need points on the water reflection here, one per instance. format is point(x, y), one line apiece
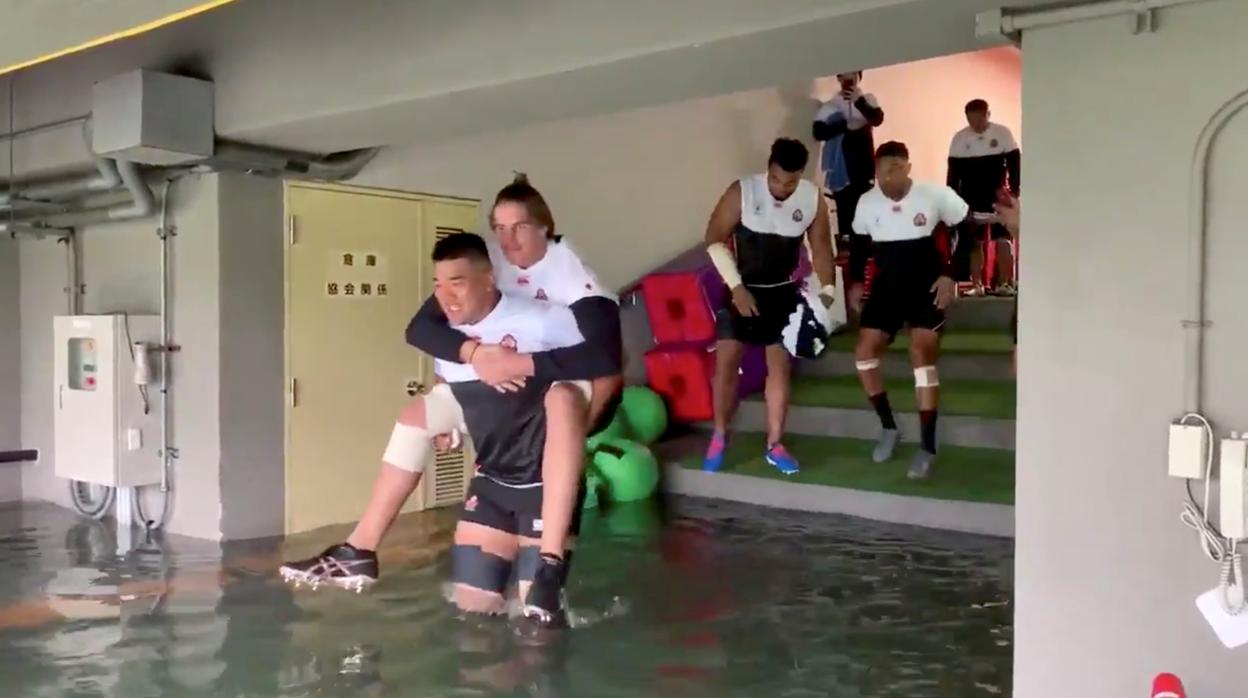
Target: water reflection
point(710, 600)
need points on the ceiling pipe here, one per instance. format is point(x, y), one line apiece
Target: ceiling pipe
point(229, 157)
point(106, 178)
point(274, 162)
point(43, 128)
point(1010, 23)
point(142, 204)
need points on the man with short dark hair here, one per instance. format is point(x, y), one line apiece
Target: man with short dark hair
point(500, 526)
point(983, 160)
point(911, 287)
point(754, 239)
point(845, 125)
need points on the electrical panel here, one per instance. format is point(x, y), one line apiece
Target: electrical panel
point(106, 402)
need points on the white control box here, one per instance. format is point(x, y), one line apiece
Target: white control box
point(106, 425)
point(1189, 448)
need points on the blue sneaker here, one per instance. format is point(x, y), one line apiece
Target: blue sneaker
point(782, 460)
point(715, 453)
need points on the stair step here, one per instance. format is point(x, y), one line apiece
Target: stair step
point(953, 430)
point(963, 474)
point(896, 364)
point(969, 397)
point(974, 342)
point(981, 313)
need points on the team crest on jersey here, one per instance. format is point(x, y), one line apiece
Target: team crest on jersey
point(797, 216)
point(471, 504)
point(541, 295)
point(508, 342)
point(994, 143)
point(522, 281)
point(920, 220)
point(896, 208)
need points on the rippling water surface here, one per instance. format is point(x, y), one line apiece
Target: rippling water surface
point(713, 599)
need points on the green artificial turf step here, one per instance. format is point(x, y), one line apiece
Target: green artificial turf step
point(967, 397)
point(953, 342)
point(961, 474)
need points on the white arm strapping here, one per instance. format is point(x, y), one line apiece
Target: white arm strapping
point(724, 263)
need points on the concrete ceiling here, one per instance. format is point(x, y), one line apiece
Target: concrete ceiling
point(327, 75)
point(33, 30)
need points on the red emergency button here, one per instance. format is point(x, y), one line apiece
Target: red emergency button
point(91, 382)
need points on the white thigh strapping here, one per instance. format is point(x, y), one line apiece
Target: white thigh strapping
point(409, 445)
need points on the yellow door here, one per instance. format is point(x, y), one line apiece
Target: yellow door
point(357, 269)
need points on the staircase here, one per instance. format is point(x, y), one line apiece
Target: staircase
point(832, 430)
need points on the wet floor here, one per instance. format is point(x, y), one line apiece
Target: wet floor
point(712, 599)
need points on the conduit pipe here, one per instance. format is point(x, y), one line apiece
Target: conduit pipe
point(1198, 202)
point(141, 205)
point(1005, 22)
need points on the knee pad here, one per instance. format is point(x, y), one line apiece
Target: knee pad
point(473, 567)
point(926, 377)
point(408, 448)
point(867, 364)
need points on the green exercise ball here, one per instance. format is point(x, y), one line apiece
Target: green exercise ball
point(644, 412)
point(629, 469)
point(617, 428)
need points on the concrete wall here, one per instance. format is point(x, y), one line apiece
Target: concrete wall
point(253, 357)
point(120, 269)
point(227, 290)
point(10, 369)
point(1106, 581)
point(633, 189)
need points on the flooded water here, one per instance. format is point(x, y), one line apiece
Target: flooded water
point(714, 599)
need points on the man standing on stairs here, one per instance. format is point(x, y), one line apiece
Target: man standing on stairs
point(983, 160)
point(764, 218)
point(912, 287)
point(845, 125)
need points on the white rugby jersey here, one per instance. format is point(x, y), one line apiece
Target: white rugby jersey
point(526, 325)
point(912, 218)
point(769, 237)
point(558, 277)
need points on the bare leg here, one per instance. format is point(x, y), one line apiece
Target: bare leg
point(390, 490)
point(871, 347)
point(728, 353)
point(925, 351)
point(563, 461)
point(977, 266)
point(1005, 263)
point(776, 392)
point(872, 344)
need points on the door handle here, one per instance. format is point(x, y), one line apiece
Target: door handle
point(60, 397)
